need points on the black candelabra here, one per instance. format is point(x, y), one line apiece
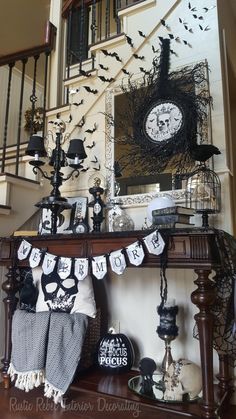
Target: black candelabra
point(59, 159)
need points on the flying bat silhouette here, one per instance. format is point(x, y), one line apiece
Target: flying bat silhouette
point(163, 22)
point(81, 122)
point(111, 54)
point(125, 71)
point(70, 119)
point(84, 169)
point(95, 160)
point(193, 9)
point(144, 71)
point(94, 91)
point(142, 34)
point(91, 146)
point(90, 131)
point(129, 40)
point(204, 29)
point(198, 17)
point(154, 50)
point(84, 73)
point(106, 79)
point(78, 103)
point(97, 168)
point(103, 67)
point(139, 57)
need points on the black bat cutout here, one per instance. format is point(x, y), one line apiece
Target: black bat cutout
point(125, 71)
point(70, 119)
point(204, 29)
point(91, 146)
point(193, 9)
point(139, 57)
point(144, 71)
point(78, 103)
point(84, 73)
point(94, 91)
point(104, 79)
point(84, 169)
point(103, 67)
point(155, 51)
point(82, 122)
point(90, 131)
point(129, 40)
point(111, 54)
point(97, 168)
point(95, 160)
point(142, 34)
point(163, 22)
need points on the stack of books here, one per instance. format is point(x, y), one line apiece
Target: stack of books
point(172, 217)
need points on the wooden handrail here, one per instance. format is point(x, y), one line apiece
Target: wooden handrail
point(30, 52)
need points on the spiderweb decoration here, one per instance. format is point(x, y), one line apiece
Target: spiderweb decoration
point(185, 87)
point(224, 332)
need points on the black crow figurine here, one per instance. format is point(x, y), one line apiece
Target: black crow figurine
point(28, 293)
point(203, 152)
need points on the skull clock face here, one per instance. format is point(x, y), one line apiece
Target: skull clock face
point(162, 121)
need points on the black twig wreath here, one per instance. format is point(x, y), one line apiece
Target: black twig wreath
point(185, 89)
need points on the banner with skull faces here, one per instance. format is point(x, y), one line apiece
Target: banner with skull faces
point(79, 267)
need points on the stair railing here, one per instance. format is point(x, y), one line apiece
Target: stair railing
point(30, 69)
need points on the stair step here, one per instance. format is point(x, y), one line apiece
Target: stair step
point(5, 209)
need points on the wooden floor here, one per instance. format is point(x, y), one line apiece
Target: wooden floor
point(95, 396)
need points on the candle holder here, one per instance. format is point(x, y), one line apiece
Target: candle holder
point(167, 330)
point(97, 204)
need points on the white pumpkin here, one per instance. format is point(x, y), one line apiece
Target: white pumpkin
point(183, 377)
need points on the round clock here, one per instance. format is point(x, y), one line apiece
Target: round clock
point(163, 121)
point(80, 228)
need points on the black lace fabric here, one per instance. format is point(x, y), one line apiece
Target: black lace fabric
point(224, 310)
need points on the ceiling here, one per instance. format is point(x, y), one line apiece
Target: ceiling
point(22, 24)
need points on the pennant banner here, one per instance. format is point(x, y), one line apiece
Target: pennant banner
point(154, 243)
point(117, 262)
point(99, 266)
point(24, 250)
point(35, 257)
point(135, 253)
point(64, 267)
point(49, 263)
point(80, 266)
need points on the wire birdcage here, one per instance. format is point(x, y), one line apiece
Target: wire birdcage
point(203, 192)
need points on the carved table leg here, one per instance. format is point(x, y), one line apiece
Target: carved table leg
point(10, 287)
point(203, 297)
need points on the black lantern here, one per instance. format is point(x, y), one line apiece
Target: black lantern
point(55, 202)
point(203, 192)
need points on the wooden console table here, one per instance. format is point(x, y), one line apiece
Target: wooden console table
point(188, 248)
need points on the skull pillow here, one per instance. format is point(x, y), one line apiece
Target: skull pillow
point(64, 295)
point(182, 379)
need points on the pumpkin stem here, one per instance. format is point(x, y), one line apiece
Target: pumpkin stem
point(111, 330)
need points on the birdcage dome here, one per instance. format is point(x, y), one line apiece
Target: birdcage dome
point(203, 192)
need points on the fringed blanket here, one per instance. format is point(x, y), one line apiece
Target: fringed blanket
point(46, 349)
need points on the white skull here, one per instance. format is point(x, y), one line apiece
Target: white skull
point(164, 122)
point(59, 125)
point(183, 377)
